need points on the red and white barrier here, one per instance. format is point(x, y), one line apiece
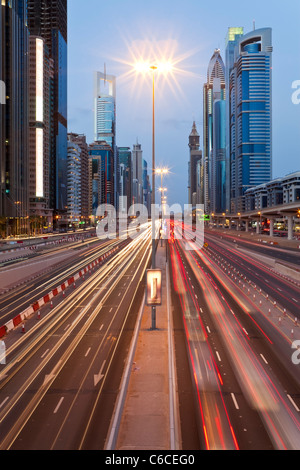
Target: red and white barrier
point(12, 324)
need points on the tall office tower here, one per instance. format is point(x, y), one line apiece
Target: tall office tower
point(218, 162)
point(232, 38)
point(80, 140)
point(125, 181)
point(196, 175)
point(102, 160)
point(14, 197)
point(251, 114)
point(48, 20)
point(105, 118)
point(40, 93)
point(137, 174)
point(214, 89)
point(74, 184)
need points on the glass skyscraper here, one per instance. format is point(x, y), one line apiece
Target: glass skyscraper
point(250, 114)
point(14, 158)
point(48, 20)
point(233, 36)
point(214, 89)
point(105, 118)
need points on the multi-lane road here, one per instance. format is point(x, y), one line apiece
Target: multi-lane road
point(61, 379)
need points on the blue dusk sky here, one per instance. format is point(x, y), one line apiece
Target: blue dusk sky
point(118, 33)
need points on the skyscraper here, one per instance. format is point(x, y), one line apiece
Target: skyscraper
point(105, 118)
point(40, 96)
point(196, 168)
point(137, 174)
point(125, 181)
point(80, 140)
point(48, 20)
point(219, 179)
point(214, 89)
point(102, 162)
point(14, 177)
point(251, 114)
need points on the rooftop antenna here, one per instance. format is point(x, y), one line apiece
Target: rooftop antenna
point(253, 25)
point(104, 74)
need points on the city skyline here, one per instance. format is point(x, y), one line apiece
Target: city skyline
point(185, 91)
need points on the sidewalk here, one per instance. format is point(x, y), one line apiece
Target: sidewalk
point(147, 417)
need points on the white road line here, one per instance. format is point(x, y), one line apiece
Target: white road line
point(58, 405)
point(101, 327)
point(4, 401)
point(234, 401)
point(295, 300)
point(218, 356)
point(42, 357)
point(208, 329)
point(293, 403)
point(87, 353)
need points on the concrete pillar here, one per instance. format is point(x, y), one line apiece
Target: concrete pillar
point(237, 225)
point(290, 219)
point(257, 227)
point(271, 227)
point(247, 226)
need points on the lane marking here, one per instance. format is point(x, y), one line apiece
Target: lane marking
point(235, 401)
point(293, 403)
point(264, 359)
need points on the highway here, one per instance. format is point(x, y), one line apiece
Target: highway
point(62, 377)
point(234, 322)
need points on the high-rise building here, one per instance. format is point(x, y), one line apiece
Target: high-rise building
point(102, 187)
point(146, 187)
point(196, 169)
point(125, 180)
point(232, 38)
point(40, 95)
point(251, 114)
point(48, 20)
point(14, 165)
point(105, 118)
point(219, 178)
point(74, 184)
point(214, 89)
point(137, 174)
point(80, 140)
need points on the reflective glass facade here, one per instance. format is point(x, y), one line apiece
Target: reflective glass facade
point(251, 115)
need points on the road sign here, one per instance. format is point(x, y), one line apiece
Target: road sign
point(154, 287)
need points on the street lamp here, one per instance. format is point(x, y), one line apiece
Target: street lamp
point(162, 68)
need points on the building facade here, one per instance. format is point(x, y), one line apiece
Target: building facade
point(196, 169)
point(232, 38)
point(250, 116)
point(102, 177)
point(41, 74)
point(105, 119)
point(74, 194)
point(125, 180)
point(48, 20)
point(137, 174)
point(14, 156)
point(214, 89)
point(80, 140)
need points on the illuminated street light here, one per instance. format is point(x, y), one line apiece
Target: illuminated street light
point(160, 68)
